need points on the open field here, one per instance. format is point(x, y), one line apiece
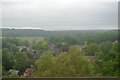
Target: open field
point(31, 38)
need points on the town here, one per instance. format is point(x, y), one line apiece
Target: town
point(65, 55)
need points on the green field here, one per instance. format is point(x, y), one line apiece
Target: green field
point(31, 38)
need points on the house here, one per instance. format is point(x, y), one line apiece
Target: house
point(36, 56)
point(91, 58)
point(13, 72)
point(23, 48)
point(115, 41)
point(28, 72)
point(51, 46)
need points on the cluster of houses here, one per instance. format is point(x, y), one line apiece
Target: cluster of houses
point(28, 72)
point(31, 52)
point(54, 50)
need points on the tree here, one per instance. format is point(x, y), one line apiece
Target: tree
point(44, 65)
point(72, 63)
point(91, 49)
point(40, 46)
point(106, 46)
point(108, 64)
point(21, 62)
point(7, 59)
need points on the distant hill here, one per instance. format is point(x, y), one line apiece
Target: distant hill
point(42, 33)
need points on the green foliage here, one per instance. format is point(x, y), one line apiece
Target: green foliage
point(4, 72)
point(91, 49)
point(0, 70)
point(44, 64)
point(20, 62)
point(108, 64)
point(7, 58)
point(79, 37)
point(40, 45)
point(13, 75)
point(72, 63)
point(12, 58)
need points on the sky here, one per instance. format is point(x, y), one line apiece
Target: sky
point(60, 14)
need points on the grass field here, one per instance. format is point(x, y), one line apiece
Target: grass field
point(31, 38)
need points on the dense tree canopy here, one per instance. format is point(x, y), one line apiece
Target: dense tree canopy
point(73, 63)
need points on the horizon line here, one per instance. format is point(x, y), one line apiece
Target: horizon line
point(59, 30)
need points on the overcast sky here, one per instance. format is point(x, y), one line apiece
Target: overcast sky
point(60, 14)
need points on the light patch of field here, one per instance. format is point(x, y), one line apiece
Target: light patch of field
point(30, 39)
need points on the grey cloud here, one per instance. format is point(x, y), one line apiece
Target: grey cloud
point(57, 15)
